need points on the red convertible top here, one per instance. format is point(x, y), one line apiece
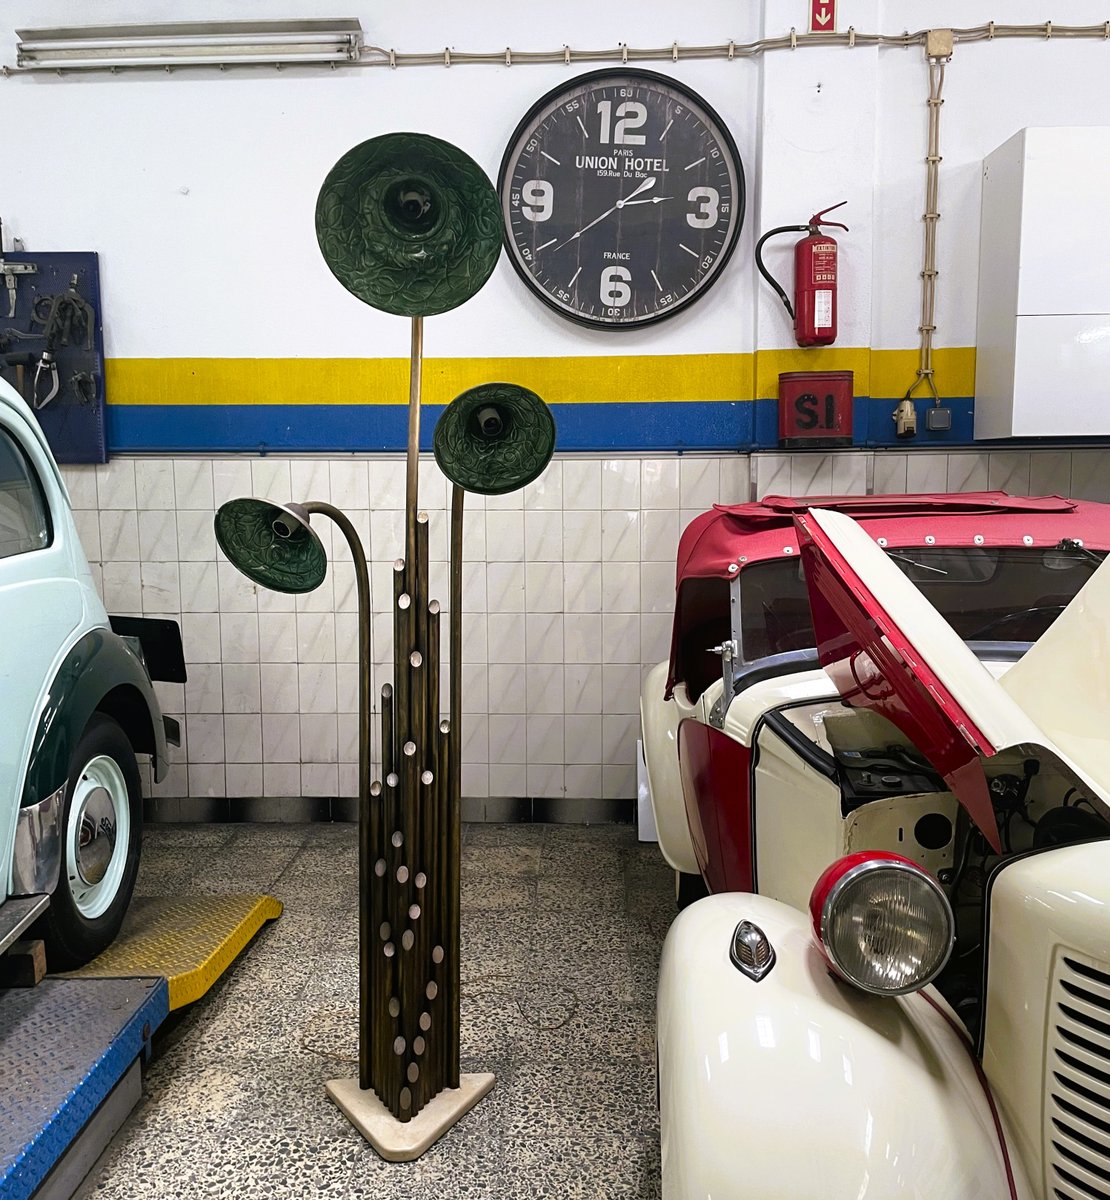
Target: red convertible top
point(724, 541)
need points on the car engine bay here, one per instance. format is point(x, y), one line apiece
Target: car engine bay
point(891, 798)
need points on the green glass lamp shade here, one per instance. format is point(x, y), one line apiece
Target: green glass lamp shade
point(409, 224)
point(272, 544)
point(494, 438)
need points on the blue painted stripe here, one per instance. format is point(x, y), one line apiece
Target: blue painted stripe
point(684, 425)
point(873, 424)
point(263, 428)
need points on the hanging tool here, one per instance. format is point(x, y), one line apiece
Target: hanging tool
point(62, 317)
point(48, 366)
point(20, 361)
point(84, 386)
point(11, 273)
point(814, 309)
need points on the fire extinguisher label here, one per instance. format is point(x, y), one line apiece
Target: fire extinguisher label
point(822, 309)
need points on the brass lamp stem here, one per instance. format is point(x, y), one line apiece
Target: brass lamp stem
point(412, 459)
point(454, 805)
point(366, 817)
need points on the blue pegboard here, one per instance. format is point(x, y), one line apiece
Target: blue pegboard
point(73, 420)
point(63, 1046)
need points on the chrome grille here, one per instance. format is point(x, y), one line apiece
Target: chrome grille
point(1077, 1107)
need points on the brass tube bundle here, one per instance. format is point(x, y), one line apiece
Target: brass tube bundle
point(401, 925)
point(411, 1029)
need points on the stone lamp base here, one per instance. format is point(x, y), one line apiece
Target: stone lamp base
point(403, 1141)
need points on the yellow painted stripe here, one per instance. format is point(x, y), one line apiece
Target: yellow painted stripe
point(883, 373)
point(894, 371)
point(601, 379)
point(596, 379)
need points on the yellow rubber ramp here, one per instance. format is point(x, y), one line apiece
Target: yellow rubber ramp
point(190, 940)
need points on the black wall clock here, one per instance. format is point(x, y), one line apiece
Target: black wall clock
point(623, 198)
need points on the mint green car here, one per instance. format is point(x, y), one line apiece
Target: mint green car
point(78, 706)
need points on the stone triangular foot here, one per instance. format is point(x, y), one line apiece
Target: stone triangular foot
point(403, 1141)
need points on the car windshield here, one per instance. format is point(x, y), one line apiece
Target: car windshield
point(985, 593)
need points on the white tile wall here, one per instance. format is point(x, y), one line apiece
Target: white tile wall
point(568, 593)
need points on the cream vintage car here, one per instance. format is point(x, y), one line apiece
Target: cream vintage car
point(900, 982)
point(78, 705)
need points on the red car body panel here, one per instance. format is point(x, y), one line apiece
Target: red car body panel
point(874, 665)
point(715, 774)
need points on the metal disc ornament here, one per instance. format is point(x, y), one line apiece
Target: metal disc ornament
point(494, 438)
point(409, 224)
point(272, 544)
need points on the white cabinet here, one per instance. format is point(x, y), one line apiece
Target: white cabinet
point(1043, 327)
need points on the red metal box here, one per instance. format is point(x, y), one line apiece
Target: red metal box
point(815, 409)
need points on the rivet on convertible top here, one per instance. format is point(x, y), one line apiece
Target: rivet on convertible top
point(881, 541)
point(1027, 540)
point(978, 539)
point(788, 549)
point(930, 540)
point(751, 951)
point(733, 568)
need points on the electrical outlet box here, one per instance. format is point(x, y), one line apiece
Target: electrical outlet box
point(938, 420)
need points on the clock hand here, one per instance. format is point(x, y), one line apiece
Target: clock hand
point(580, 232)
point(645, 186)
point(648, 183)
point(647, 200)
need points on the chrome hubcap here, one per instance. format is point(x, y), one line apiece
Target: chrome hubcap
point(96, 839)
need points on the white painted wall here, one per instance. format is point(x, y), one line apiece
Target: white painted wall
point(198, 188)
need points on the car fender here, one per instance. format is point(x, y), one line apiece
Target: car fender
point(97, 673)
point(801, 1086)
point(659, 721)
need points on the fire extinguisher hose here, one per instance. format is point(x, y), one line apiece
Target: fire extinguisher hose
point(767, 274)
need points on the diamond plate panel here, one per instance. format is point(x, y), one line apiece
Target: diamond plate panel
point(190, 940)
point(63, 1046)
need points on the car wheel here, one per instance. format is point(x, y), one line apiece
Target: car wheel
point(101, 832)
point(688, 888)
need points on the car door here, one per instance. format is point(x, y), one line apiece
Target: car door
point(41, 604)
point(887, 648)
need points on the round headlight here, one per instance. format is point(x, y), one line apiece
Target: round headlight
point(883, 923)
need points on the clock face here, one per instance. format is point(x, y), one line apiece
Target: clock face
point(623, 198)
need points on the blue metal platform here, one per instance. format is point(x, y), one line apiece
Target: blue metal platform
point(64, 1045)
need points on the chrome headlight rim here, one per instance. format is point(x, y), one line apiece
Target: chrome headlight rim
point(872, 862)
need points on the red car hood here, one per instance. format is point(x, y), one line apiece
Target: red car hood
point(887, 648)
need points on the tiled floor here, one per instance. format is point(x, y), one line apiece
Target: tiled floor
point(562, 927)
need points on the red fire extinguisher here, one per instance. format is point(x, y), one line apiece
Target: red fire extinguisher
point(814, 307)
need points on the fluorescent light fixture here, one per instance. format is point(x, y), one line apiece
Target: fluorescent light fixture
point(184, 44)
